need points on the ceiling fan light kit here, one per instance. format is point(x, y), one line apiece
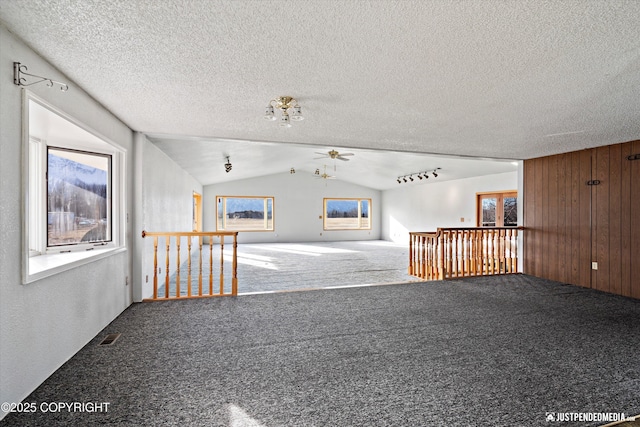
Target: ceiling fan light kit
point(284, 104)
point(323, 175)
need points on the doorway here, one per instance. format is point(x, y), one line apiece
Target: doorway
point(197, 211)
point(497, 209)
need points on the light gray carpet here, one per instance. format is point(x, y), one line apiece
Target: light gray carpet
point(501, 351)
point(264, 267)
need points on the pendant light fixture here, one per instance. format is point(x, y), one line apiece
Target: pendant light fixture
point(284, 104)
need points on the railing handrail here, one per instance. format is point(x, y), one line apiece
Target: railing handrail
point(519, 227)
point(440, 229)
point(424, 233)
point(189, 233)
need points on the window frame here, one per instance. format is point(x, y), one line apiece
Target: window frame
point(499, 196)
point(39, 259)
point(266, 218)
point(359, 200)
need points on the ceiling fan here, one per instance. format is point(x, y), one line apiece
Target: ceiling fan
point(323, 175)
point(333, 154)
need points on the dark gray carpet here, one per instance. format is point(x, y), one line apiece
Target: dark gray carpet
point(500, 351)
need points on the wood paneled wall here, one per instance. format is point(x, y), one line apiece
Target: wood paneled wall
point(570, 224)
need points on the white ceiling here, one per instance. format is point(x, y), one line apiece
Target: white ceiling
point(479, 78)
point(204, 159)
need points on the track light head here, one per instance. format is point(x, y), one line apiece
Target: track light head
point(228, 165)
point(411, 178)
point(404, 179)
point(435, 175)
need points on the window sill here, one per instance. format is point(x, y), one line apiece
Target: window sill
point(43, 266)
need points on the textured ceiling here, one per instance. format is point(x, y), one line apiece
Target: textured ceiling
point(493, 79)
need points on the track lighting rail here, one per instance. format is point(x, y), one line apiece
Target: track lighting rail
point(419, 175)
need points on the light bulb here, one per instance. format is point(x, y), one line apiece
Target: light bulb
point(284, 120)
point(268, 114)
point(297, 113)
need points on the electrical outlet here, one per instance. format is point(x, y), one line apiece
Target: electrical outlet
point(147, 278)
point(594, 265)
point(461, 219)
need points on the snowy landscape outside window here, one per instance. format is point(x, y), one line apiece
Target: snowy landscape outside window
point(235, 213)
point(347, 214)
point(78, 197)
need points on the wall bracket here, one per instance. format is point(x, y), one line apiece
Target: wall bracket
point(20, 70)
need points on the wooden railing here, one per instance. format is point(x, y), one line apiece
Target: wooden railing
point(210, 280)
point(463, 252)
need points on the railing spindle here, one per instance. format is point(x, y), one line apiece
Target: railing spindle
point(410, 270)
point(189, 267)
point(155, 267)
point(211, 265)
point(221, 266)
point(166, 279)
point(200, 266)
point(234, 267)
point(178, 266)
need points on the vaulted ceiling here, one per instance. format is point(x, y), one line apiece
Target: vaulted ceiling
point(476, 78)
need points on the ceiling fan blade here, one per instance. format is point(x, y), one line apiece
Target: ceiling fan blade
point(347, 154)
point(342, 158)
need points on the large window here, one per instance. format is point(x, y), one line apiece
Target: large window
point(78, 197)
point(74, 195)
point(235, 213)
point(347, 214)
point(497, 209)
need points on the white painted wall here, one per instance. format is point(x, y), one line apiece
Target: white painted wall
point(298, 207)
point(44, 323)
point(164, 194)
point(425, 207)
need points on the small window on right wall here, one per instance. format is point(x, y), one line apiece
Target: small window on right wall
point(497, 209)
